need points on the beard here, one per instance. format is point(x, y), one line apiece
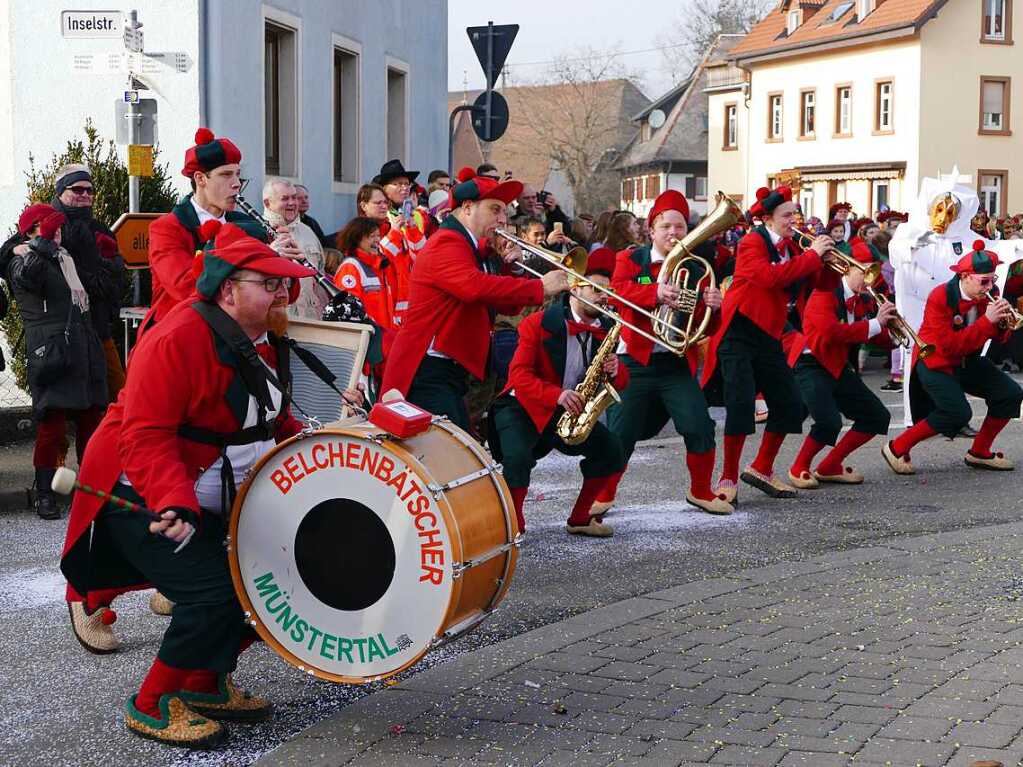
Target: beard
point(277, 319)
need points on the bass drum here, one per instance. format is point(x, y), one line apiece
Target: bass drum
point(354, 553)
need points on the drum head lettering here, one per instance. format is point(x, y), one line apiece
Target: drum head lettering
point(344, 554)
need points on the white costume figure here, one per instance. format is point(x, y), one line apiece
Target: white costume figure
point(935, 237)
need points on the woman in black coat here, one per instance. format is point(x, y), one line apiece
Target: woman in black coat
point(66, 366)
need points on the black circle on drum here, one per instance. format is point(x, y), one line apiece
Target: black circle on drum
point(344, 554)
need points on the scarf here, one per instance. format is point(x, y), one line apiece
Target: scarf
point(67, 267)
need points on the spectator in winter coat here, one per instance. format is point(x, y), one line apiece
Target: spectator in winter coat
point(66, 368)
point(280, 204)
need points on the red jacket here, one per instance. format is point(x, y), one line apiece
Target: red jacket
point(829, 336)
point(635, 279)
point(450, 300)
point(946, 328)
point(180, 375)
point(760, 287)
point(537, 369)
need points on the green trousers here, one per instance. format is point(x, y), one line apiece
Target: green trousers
point(520, 445)
point(977, 376)
point(207, 625)
point(828, 399)
point(662, 390)
point(439, 386)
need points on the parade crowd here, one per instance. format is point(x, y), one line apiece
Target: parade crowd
point(473, 325)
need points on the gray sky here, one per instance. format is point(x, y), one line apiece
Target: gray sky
point(548, 28)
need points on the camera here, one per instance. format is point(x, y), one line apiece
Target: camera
point(541, 197)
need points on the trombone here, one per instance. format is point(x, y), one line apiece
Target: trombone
point(574, 264)
point(900, 331)
point(871, 272)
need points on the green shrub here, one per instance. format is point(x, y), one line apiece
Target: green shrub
point(110, 180)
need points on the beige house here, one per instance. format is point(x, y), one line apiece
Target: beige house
point(857, 100)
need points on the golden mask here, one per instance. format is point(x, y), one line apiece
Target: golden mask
point(944, 210)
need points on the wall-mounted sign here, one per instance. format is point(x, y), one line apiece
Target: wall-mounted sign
point(91, 23)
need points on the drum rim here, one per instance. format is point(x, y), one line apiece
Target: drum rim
point(251, 617)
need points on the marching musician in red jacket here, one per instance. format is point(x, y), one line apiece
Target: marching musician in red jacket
point(835, 323)
point(772, 275)
point(198, 410)
point(213, 166)
point(555, 350)
point(959, 319)
point(453, 297)
point(663, 385)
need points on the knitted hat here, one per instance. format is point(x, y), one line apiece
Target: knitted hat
point(32, 215)
point(833, 210)
point(834, 224)
point(232, 250)
point(977, 261)
point(49, 225)
point(670, 199)
point(71, 174)
point(483, 188)
point(209, 153)
point(438, 201)
point(769, 199)
point(601, 261)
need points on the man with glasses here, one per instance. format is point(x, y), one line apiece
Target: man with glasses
point(92, 247)
point(959, 318)
point(213, 167)
point(201, 379)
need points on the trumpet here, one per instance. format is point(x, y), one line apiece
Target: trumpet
point(574, 264)
point(899, 330)
point(871, 272)
point(1015, 320)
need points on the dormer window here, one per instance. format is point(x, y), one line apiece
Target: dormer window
point(864, 7)
point(795, 18)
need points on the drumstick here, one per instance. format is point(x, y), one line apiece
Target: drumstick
point(65, 481)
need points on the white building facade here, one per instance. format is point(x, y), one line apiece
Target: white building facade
point(322, 91)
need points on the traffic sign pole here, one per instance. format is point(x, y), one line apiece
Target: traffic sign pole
point(134, 116)
point(490, 85)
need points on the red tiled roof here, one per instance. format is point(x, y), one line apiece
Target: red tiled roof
point(769, 35)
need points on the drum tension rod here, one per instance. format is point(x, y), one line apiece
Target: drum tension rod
point(488, 470)
point(460, 567)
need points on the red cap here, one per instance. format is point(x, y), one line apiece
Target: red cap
point(464, 174)
point(977, 261)
point(837, 207)
point(670, 199)
point(601, 261)
point(233, 249)
point(32, 215)
point(209, 153)
point(483, 188)
point(769, 199)
point(49, 225)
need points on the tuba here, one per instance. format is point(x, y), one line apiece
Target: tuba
point(683, 327)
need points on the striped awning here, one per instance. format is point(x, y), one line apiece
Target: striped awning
point(868, 171)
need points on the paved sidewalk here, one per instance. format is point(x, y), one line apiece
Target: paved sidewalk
point(902, 654)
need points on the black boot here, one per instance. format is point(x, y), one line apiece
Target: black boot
point(46, 501)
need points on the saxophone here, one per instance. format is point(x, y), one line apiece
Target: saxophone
point(596, 390)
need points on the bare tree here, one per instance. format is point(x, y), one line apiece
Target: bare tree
point(699, 25)
point(578, 122)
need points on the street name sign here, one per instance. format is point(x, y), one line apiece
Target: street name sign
point(92, 24)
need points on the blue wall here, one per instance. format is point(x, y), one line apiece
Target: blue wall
point(412, 31)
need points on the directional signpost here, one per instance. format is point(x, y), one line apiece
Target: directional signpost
point(490, 111)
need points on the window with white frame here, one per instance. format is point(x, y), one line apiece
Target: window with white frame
point(701, 188)
point(731, 126)
point(806, 201)
point(808, 110)
point(863, 8)
point(994, 20)
point(883, 105)
point(795, 18)
point(774, 116)
point(843, 110)
point(881, 195)
point(280, 84)
point(397, 112)
point(991, 189)
point(347, 100)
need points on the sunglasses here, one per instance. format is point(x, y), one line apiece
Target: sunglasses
point(81, 190)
